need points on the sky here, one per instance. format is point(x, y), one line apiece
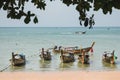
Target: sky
point(58, 14)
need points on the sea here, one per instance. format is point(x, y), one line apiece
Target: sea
point(30, 41)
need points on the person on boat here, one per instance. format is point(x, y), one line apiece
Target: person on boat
point(104, 56)
point(55, 47)
point(72, 56)
point(48, 53)
point(42, 53)
point(60, 47)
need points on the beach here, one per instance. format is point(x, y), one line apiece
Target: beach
point(65, 75)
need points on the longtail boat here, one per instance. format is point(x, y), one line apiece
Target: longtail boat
point(45, 55)
point(80, 32)
point(67, 58)
point(75, 50)
point(109, 57)
point(18, 59)
point(84, 58)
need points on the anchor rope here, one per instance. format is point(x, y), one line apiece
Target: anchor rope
point(5, 68)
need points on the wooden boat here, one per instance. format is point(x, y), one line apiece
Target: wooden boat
point(80, 32)
point(18, 59)
point(75, 50)
point(109, 57)
point(84, 58)
point(57, 49)
point(67, 59)
point(45, 55)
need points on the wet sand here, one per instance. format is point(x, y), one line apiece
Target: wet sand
point(65, 75)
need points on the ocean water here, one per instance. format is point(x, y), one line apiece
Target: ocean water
point(30, 40)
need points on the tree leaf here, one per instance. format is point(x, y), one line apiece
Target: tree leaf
point(27, 20)
point(86, 22)
point(35, 20)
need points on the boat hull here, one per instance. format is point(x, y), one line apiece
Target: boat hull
point(18, 62)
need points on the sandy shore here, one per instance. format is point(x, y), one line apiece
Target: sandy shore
point(65, 75)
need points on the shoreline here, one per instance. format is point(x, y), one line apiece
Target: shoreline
point(61, 75)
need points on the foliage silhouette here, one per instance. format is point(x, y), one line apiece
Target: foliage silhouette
point(15, 8)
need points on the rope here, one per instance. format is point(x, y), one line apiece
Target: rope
point(32, 55)
point(5, 68)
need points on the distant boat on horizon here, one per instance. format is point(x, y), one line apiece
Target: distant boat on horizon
point(80, 32)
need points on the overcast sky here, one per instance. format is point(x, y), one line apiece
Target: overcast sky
point(58, 14)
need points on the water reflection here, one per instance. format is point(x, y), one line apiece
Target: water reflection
point(17, 68)
point(83, 66)
point(66, 65)
point(109, 66)
point(45, 64)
